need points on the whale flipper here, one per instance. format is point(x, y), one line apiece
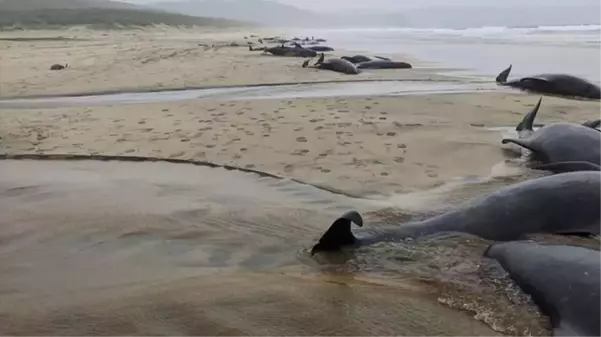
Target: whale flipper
point(521, 142)
point(567, 166)
point(592, 124)
point(528, 122)
point(502, 77)
point(339, 234)
point(320, 59)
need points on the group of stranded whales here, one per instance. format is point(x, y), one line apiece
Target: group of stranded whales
point(346, 65)
point(563, 280)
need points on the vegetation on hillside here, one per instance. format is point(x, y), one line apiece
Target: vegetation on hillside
point(101, 18)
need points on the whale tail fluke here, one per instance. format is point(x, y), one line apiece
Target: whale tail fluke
point(339, 234)
point(502, 77)
point(567, 166)
point(528, 122)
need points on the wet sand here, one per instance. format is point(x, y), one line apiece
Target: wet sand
point(185, 250)
point(360, 145)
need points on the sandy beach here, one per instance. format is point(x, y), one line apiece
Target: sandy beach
point(362, 145)
point(357, 144)
point(151, 59)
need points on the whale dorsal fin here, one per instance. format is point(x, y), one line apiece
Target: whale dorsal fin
point(339, 234)
point(502, 77)
point(528, 122)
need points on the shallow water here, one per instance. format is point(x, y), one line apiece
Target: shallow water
point(331, 89)
point(482, 51)
point(117, 248)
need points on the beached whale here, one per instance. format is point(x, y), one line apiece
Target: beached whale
point(525, 130)
point(335, 64)
point(383, 64)
point(567, 203)
point(321, 48)
point(58, 66)
point(563, 281)
point(553, 84)
point(314, 48)
point(362, 58)
point(287, 51)
point(560, 147)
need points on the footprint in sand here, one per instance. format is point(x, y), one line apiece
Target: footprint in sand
point(384, 174)
point(301, 139)
point(300, 152)
point(315, 120)
point(401, 146)
point(382, 118)
point(318, 128)
point(298, 129)
point(399, 160)
point(431, 174)
point(142, 122)
point(325, 170)
point(210, 146)
point(165, 110)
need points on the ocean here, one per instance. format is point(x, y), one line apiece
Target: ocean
point(482, 51)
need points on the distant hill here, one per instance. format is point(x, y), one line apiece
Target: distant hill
point(272, 13)
point(25, 5)
point(259, 11)
point(47, 14)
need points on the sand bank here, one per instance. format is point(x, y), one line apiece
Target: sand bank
point(151, 59)
point(359, 145)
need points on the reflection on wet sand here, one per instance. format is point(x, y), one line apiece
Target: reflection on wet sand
point(113, 248)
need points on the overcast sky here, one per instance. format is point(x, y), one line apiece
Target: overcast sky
point(401, 4)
